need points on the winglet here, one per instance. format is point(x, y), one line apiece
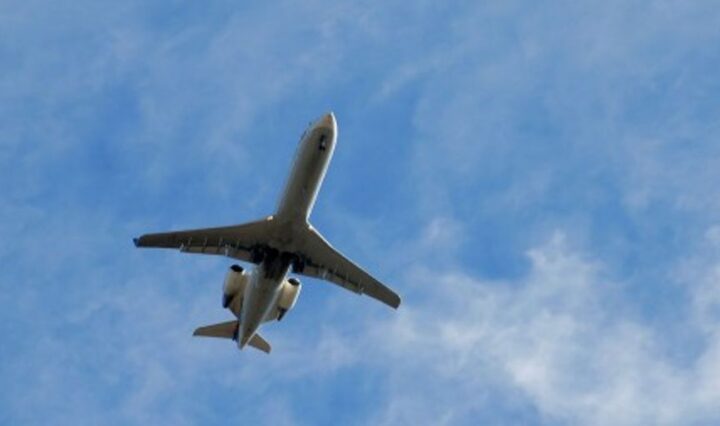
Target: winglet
point(136, 241)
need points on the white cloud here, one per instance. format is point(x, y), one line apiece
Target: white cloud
point(561, 339)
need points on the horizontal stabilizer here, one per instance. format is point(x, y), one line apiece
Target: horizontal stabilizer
point(228, 330)
point(258, 342)
point(223, 330)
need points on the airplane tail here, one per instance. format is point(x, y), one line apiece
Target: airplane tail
point(229, 330)
point(258, 342)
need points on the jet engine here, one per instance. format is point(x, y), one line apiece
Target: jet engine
point(289, 293)
point(234, 285)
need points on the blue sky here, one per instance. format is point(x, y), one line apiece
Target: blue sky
point(540, 182)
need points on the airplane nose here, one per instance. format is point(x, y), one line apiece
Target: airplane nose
point(327, 120)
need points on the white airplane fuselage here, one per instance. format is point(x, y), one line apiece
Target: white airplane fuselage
point(260, 297)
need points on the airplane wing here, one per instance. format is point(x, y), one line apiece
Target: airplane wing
point(321, 260)
point(233, 241)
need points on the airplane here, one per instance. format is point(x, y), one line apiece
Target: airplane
point(276, 245)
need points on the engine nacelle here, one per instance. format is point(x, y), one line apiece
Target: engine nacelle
point(235, 282)
point(289, 293)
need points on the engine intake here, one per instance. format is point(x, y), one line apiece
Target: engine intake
point(234, 284)
point(288, 296)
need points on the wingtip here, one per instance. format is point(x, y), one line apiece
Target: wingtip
point(136, 241)
point(394, 302)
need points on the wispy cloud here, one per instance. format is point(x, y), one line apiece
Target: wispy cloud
point(561, 341)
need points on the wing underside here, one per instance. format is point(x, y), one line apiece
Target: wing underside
point(237, 241)
point(321, 260)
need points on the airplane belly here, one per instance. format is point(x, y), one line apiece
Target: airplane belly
point(259, 300)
